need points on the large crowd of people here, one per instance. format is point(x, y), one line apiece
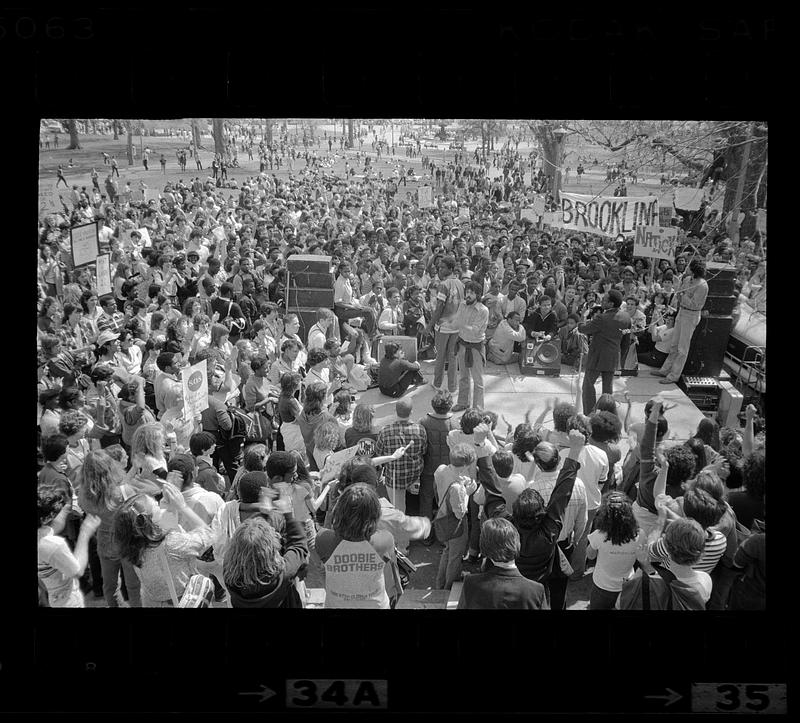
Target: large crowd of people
point(138, 499)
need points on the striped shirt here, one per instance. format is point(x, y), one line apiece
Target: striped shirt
point(712, 552)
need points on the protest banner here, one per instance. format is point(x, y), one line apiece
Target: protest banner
point(137, 195)
point(195, 389)
point(146, 240)
point(425, 196)
point(85, 241)
point(655, 242)
point(665, 214)
point(549, 218)
point(607, 215)
point(151, 194)
point(530, 214)
point(103, 271)
point(538, 205)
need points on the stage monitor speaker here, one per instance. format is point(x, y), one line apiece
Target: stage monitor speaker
point(305, 263)
point(720, 278)
point(407, 343)
point(540, 358)
point(720, 305)
point(707, 350)
point(308, 298)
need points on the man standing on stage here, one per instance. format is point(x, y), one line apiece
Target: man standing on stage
point(606, 330)
point(472, 319)
point(691, 296)
point(449, 295)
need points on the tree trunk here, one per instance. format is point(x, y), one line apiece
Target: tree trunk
point(72, 129)
point(755, 174)
point(550, 152)
point(114, 129)
point(350, 132)
point(196, 137)
point(129, 129)
point(219, 135)
point(268, 125)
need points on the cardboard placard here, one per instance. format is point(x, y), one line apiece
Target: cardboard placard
point(194, 380)
point(529, 214)
point(103, 273)
point(85, 241)
point(655, 242)
point(146, 240)
point(425, 196)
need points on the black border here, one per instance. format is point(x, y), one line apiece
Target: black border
point(360, 61)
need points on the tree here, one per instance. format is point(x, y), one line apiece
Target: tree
point(218, 131)
point(129, 131)
point(268, 122)
point(115, 128)
point(196, 136)
point(350, 132)
point(72, 129)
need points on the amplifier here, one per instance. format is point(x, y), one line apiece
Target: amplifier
point(311, 279)
point(720, 278)
point(730, 405)
point(704, 392)
point(720, 305)
point(299, 263)
point(707, 349)
point(310, 298)
point(540, 359)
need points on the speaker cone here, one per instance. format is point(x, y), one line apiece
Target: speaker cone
point(547, 353)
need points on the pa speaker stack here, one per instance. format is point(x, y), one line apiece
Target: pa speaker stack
point(309, 286)
point(540, 358)
point(710, 338)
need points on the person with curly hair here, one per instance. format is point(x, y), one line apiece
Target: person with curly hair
point(748, 504)
point(60, 568)
point(605, 430)
point(314, 413)
point(615, 543)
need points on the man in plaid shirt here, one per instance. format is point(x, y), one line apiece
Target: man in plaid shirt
point(110, 320)
point(404, 472)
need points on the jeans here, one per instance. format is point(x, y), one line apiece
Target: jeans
point(589, 392)
point(600, 599)
point(685, 323)
point(450, 562)
point(343, 313)
point(445, 351)
point(412, 376)
point(722, 578)
point(111, 568)
point(474, 537)
point(397, 497)
point(464, 373)
point(426, 496)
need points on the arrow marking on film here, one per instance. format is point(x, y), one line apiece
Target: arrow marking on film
point(671, 697)
point(265, 693)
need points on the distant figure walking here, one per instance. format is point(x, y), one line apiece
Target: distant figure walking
point(60, 173)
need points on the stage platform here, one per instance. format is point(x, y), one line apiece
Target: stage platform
point(510, 393)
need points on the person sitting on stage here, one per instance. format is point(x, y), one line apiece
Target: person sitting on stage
point(573, 343)
point(396, 374)
point(542, 322)
point(661, 334)
point(508, 332)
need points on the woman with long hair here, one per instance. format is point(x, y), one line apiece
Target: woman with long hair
point(260, 568)
point(289, 410)
point(362, 427)
point(74, 336)
point(313, 414)
point(148, 454)
point(101, 492)
point(355, 536)
point(615, 542)
point(144, 544)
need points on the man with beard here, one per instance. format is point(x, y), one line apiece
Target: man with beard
point(471, 322)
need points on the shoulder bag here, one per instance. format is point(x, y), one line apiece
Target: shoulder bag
point(446, 525)
point(199, 591)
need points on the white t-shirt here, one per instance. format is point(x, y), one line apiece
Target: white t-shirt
point(614, 562)
point(593, 471)
point(354, 577)
point(58, 570)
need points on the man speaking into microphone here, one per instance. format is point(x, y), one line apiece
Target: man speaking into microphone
point(606, 330)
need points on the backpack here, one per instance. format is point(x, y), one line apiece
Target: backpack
point(446, 525)
point(665, 592)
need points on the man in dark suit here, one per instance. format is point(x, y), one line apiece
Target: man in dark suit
point(606, 330)
point(502, 586)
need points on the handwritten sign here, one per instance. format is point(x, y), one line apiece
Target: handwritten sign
point(137, 195)
point(655, 242)
point(538, 205)
point(548, 218)
point(146, 240)
point(529, 214)
point(103, 269)
point(195, 389)
point(333, 464)
point(85, 243)
point(425, 196)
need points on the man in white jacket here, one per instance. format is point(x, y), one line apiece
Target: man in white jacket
point(501, 345)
